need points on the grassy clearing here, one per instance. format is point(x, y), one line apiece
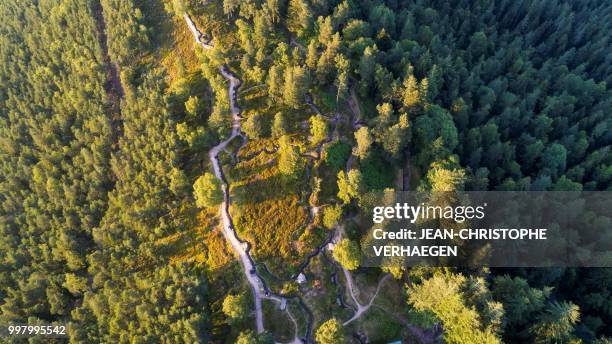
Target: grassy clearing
point(299, 315)
point(203, 243)
point(277, 321)
point(274, 228)
point(320, 294)
point(255, 99)
point(379, 327)
point(365, 282)
point(382, 323)
point(178, 53)
point(269, 209)
point(325, 100)
point(392, 297)
point(257, 169)
point(254, 146)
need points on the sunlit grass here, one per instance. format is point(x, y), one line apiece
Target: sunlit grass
point(203, 244)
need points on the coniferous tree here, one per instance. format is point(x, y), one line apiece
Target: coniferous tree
point(299, 17)
point(253, 126)
point(364, 141)
point(235, 307)
point(289, 162)
point(279, 125)
point(442, 296)
point(207, 191)
point(346, 252)
point(318, 129)
point(331, 216)
point(295, 86)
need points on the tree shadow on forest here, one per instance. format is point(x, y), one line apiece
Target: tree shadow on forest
point(241, 172)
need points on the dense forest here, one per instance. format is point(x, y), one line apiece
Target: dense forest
point(84, 194)
point(109, 203)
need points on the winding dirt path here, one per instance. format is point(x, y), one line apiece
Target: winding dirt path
point(242, 248)
point(198, 36)
point(339, 233)
point(361, 308)
point(350, 285)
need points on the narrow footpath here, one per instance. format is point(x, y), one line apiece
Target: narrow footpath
point(260, 290)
